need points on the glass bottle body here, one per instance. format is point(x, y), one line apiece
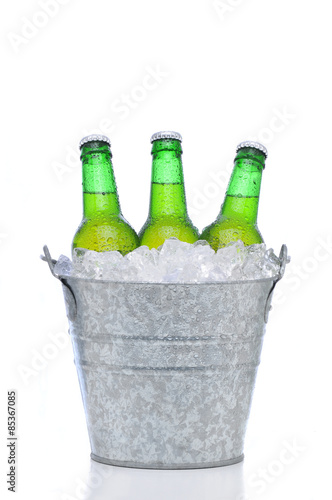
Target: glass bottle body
point(237, 219)
point(168, 216)
point(103, 227)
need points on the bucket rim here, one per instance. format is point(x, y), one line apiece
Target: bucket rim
point(68, 277)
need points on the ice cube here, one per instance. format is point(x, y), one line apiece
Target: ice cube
point(63, 266)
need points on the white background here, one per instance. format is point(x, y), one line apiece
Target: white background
point(226, 72)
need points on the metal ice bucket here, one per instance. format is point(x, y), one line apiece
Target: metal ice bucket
point(167, 370)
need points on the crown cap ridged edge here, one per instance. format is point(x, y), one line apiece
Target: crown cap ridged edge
point(94, 137)
point(252, 144)
point(167, 134)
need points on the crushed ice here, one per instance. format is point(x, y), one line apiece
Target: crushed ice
point(174, 261)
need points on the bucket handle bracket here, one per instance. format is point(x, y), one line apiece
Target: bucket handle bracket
point(68, 291)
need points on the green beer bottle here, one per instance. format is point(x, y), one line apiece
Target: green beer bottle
point(103, 227)
point(168, 215)
point(237, 219)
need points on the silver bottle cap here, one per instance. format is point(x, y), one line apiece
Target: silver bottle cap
point(94, 137)
point(252, 144)
point(166, 135)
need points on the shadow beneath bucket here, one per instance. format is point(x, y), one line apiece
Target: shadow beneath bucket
point(115, 483)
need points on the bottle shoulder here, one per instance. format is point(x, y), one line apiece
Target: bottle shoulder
point(224, 231)
point(106, 234)
point(156, 230)
point(168, 221)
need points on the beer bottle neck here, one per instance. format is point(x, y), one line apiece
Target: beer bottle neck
point(100, 195)
point(167, 186)
point(242, 195)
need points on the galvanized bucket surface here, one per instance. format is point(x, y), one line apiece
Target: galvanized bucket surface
point(167, 370)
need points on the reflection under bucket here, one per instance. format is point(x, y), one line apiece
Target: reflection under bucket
point(167, 370)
